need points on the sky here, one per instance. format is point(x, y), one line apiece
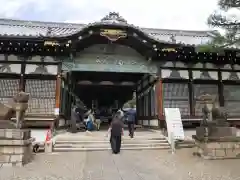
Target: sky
point(165, 14)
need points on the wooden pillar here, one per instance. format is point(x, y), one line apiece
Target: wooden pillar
point(66, 89)
point(145, 105)
point(58, 95)
point(159, 93)
point(159, 103)
point(70, 98)
point(220, 89)
point(191, 94)
point(137, 107)
point(150, 102)
point(142, 101)
point(149, 107)
point(58, 91)
point(22, 81)
point(62, 97)
point(142, 107)
point(154, 98)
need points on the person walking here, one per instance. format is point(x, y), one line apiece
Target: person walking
point(131, 118)
point(98, 123)
point(98, 120)
point(74, 118)
point(116, 130)
point(121, 113)
point(90, 121)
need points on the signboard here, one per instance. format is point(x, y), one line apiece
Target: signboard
point(174, 123)
point(169, 50)
point(51, 43)
point(113, 34)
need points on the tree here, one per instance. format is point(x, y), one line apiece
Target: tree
point(213, 46)
point(227, 22)
point(131, 102)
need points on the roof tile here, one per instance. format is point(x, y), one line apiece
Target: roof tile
point(20, 28)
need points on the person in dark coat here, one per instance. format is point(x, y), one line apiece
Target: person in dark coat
point(131, 118)
point(75, 117)
point(116, 129)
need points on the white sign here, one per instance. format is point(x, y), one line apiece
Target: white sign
point(56, 111)
point(174, 123)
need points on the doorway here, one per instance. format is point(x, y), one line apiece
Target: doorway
point(101, 91)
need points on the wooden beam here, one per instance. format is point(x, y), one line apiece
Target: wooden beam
point(97, 83)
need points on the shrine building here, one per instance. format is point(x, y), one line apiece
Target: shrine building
point(102, 64)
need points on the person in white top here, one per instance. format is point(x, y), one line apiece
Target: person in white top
point(121, 113)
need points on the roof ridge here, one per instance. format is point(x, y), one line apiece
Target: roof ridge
point(8, 21)
point(177, 30)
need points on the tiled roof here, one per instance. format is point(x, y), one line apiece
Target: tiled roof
point(19, 28)
point(36, 29)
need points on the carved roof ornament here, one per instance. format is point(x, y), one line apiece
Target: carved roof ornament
point(114, 17)
point(173, 39)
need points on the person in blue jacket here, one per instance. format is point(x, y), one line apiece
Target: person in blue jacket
point(131, 118)
point(90, 120)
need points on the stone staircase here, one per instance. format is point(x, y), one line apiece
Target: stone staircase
point(85, 142)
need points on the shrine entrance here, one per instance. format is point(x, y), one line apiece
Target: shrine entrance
point(105, 76)
point(107, 92)
point(105, 89)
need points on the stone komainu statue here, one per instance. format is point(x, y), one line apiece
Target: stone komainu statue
point(212, 112)
point(17, 106)
point(205, 112)
point(219, 114)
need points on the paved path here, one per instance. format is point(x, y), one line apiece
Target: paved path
point(129, 165)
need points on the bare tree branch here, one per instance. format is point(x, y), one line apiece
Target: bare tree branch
point(218, 20)
point(227, 4)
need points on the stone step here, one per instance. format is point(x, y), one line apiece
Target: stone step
point(107, 144)
point(108, 148)
point(92, 138)
point(97, 141)
point(124, 141)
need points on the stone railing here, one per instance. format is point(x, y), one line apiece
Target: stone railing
point(15, 147)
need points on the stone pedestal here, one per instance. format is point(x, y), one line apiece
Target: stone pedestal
point(7, 124)
point(215, 131)
point(217, 148)
point(15, 147)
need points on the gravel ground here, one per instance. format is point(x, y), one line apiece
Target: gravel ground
point(129, 165)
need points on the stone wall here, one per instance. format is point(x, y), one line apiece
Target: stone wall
point(15, 147)
point(218, 150)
